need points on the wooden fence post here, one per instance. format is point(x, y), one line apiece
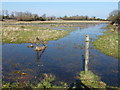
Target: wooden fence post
point(86, 52)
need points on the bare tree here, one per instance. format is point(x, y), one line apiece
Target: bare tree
point(24, 16)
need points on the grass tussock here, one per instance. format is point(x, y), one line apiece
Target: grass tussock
point(91, 80)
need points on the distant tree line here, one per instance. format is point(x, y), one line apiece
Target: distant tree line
point(27, 16)
point(24, 16)
point(77, 17)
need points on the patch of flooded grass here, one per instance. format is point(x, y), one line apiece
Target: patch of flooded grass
point(91, 80)
point(108, 44)
point(86, 80)
point(46, 82)
point(78, 46)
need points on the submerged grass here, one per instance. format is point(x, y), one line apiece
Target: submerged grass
point(108, 43)
point(46, 82)
point(78, 46)
point(87, 80)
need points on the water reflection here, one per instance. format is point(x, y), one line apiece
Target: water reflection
point(39, 55)
point(83, 58)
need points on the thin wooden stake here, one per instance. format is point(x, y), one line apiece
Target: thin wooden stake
point(87, 52)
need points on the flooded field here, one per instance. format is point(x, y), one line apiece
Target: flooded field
point(62, 58)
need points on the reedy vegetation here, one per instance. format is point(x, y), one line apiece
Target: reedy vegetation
point(87, 79)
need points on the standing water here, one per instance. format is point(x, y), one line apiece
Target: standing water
point(62, 58)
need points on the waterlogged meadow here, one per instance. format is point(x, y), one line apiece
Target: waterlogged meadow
point(27, 32)
point(60, 64)
point(108, 43)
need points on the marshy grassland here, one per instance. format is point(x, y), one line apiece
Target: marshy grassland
point(108, 43)
point(88, 79)
point(85, 79)
point(26, 32)
point(52, 22)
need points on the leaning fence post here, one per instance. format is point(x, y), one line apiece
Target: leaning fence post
point(86, 52)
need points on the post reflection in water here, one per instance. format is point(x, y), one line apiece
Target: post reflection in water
point(38, 55)
point(39, 64)
point(83, 59)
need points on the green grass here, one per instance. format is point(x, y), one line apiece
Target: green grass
point(46, 82)
point(88, 78)
point(27, 34)
point(78, 46)
point(108, 43)
point(91, 80)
